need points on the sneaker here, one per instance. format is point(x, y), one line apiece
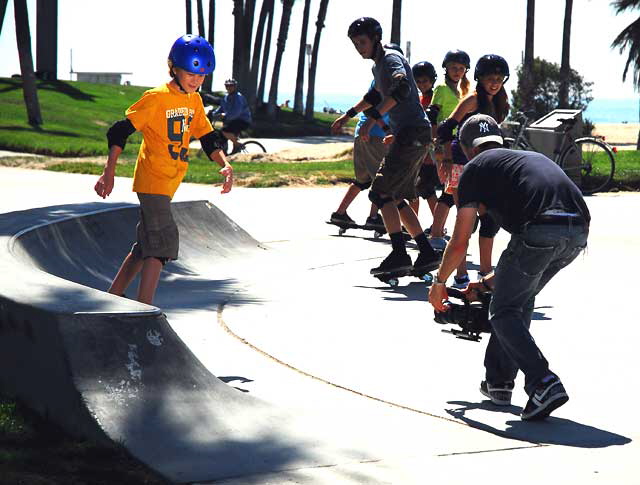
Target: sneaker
point(481, 275)
point(425, 263)
point(438, 243)
point(395, 262)
point(548, 396)
point(341, 218)
point(461, 282)
point(375, 222)
point(500, 394)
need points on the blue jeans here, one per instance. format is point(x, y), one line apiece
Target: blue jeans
point(530, 260)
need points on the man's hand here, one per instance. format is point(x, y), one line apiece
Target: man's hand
point(389, 139)
point(227, 173)
point(437, 296)
point(336, 126)
point(105, 183)
point(473, 290)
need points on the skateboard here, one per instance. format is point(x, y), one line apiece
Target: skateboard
point(392, 278)
point(377, 232)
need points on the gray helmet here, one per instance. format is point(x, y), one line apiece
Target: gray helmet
point(394, 46)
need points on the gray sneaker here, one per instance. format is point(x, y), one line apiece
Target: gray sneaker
point(547, 397)
point(500, 394)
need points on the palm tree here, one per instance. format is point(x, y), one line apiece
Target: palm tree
point(629, 40)
point(322, 13)
point(3, 11)
point(267, 50)
point(243, 12)
point(565, 68)
point(47, 39)
point(189, 22)
point(287, 6)
point(396, 17)
point(527, 66)
point(297, 99)
point(208, 81)
point(29, 87)
point(252, 83)
point(200, 18)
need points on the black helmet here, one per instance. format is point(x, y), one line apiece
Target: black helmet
point(365, 26)
point(394, 46)
point(491, 64)
point(424, 68)
point(461, 57)
point(231, 82)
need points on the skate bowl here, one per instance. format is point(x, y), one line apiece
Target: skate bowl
point(111, 369)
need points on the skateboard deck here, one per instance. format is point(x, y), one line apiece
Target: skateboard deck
point(343, 226)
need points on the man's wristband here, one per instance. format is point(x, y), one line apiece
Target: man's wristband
point(351, 112)
point(437, 280)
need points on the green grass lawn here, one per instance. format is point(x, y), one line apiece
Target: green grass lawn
point(77, 115)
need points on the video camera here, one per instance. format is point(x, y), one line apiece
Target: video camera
point(471, 317)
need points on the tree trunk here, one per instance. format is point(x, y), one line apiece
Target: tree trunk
point(565, 67)
point(396, 20)
point(238, 37)
point(287, 5)
point(302, 52)
point(526, 88)
point(189, 21)
point(200, 18)
point(322, 13)
point(3, 11)
point(208, 81)
point(29, 87)
point(265, 57)
point(252, 83)
point(47, 39)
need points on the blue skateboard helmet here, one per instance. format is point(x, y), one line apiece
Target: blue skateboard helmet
point(193, 54)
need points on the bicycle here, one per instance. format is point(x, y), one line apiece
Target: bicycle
point(588, 160)
point(245, 147)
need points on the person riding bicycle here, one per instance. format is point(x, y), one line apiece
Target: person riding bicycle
point(235, 110)
point(489, 98)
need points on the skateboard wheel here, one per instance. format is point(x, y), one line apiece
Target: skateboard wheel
point(342, 231)
point(393, 282)
point(377, 235)
point(427, 278)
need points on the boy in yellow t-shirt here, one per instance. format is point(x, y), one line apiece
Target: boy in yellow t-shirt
point(168, 116)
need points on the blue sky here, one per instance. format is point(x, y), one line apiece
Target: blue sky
point(135, 36)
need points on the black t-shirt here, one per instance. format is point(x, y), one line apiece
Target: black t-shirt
point(517, 186)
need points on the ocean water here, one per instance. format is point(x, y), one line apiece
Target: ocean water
point(598, 111)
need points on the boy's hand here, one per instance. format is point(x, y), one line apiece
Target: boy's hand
point(104, 185)
point(337, 125)
point(388, 140)
point(365, 129)
point(227, 173)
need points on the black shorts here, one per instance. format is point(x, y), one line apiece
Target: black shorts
point(428, 181)
point(235, 126)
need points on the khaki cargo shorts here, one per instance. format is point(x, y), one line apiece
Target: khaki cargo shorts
point(398, 171)
point(157, 232)
point(367, 157)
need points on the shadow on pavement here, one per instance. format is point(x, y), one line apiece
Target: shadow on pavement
point(552, 431)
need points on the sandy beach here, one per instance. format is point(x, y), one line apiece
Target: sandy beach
point(619, 134)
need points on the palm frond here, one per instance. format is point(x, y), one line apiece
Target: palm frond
point(621, 5)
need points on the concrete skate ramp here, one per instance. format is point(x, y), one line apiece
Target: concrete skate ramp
point(112, 369)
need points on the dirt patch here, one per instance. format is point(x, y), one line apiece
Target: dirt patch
point(41, 162)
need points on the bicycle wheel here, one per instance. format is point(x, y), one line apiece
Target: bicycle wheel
point(252, 146)
point(591, 166)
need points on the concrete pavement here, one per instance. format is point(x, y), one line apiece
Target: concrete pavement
point(368, 366)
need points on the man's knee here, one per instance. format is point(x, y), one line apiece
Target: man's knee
point(362, 185)
point(488, 226)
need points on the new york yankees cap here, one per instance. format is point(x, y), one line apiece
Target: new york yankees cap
point(479, 129)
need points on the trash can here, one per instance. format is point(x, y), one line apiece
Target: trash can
point(545, 139)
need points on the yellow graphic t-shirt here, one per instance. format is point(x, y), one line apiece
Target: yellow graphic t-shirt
point(167, 119)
